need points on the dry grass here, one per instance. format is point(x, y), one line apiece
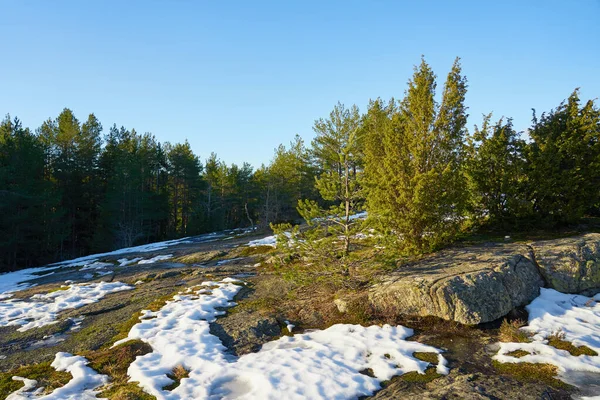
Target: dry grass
point(557, 340)
point(177, 374)
point(518, 353)
point(114, 362)
point(512, 332)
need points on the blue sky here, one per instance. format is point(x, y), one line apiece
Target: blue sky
point(240, 77)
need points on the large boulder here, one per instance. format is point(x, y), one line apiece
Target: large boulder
point(468, 285)
point(570, 265)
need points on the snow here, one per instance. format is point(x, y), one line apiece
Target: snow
point(96, 265)
point(230, 260)
point(81, 387)
point(42, 309)
point(317, 365)
point(123, 262)
point(576, 316)
point(17, 280)
point(290, 327)
point(266, 241)
point(156, 259)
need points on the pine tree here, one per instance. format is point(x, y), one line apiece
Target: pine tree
point(416, 189)
point(338, 155)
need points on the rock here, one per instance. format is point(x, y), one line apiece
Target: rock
point(468, 285)
point(470, 387)
point(341, 305)
point(245, 331)
point(168, 274)
point(570, 265)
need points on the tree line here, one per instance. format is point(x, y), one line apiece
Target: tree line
point(68, 189)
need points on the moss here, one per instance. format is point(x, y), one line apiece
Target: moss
point(202, 256)
point(518, 353)
point(557, 340)
point(512, 332)
point(529, 372)
point(126, 391)
point(43, 373)
point(60, 288)
point(124, 328)
point(256, 250)
point(415, 377)
point(114, 362)
point(429, 357)
point(177, 374)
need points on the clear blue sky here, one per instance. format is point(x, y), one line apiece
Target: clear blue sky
point(240, 77)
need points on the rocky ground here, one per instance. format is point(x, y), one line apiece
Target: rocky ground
point(269, 303)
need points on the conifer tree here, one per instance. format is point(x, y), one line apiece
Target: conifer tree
point(338, 155)
point(496, 173)
point(564, 161)
point(416, 189)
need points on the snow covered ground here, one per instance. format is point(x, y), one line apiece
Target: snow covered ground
point(577, 317)
point(317, 365)
point(42, 309)
point(80, 387)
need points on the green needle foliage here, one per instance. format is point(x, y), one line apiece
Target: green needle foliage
point(413, 156)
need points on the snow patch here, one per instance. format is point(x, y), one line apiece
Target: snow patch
point(156, 259)
point(576, 316)
point(42, 309)
point(317, 365)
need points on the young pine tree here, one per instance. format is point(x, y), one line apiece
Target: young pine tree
point(413, 161)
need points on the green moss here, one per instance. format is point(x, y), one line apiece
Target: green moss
point(202, 256)
point(114, 362)
point(429, 357)
point(557, 341)
point(43, 373)
point(415, 377)
point(256, 250)
point(529, 372)
point(125, 391)
point(60, 288)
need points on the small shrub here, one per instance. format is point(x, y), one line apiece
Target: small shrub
point(512, 332)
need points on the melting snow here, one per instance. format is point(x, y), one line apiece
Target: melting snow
point(577, 317)
point(42, 309)
point(267, 241)
point(156, 259)
point(81, 387)
point(317, 365)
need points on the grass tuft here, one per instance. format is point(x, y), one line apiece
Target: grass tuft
point(512, 332)
point(177, 374)
point(518, 353)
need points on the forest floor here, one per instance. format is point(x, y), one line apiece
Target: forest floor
point(221, 322)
